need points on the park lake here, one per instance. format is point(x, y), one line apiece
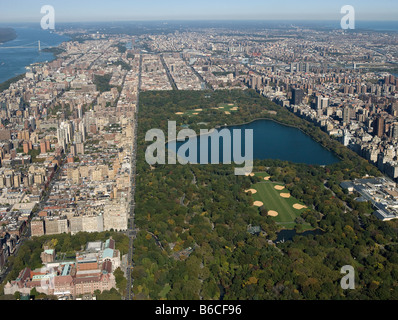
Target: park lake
point(272, 140)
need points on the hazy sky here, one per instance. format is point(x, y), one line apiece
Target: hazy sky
point(117, 10)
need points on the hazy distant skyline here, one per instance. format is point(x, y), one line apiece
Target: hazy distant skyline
point(126, 10)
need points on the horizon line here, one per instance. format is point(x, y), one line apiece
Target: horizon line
point(204, 19)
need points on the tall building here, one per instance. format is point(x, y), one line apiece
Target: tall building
point(65, 134)
point(324, 103)
point(297, 96)
point(346, 115)
point(80, 148)
point(378, 126)
point(43, 147)
point(26, 147)
point(80, 111)
point(82, 130)
point(51, 226)
point(37, 227)
point(48, 145)
point(395, 131)
point(319, 102)
point(292, 67)
point(346, 137)
point(115, 216)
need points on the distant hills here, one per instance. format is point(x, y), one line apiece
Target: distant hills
point(7, 34)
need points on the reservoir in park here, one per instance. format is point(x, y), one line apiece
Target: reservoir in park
point(272, 140)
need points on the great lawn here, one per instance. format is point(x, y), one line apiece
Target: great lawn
point(272, 200)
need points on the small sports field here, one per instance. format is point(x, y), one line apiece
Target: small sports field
point(228, 107)
point(276, 199)
point(190, 112)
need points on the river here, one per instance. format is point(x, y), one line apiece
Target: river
point(19, 53)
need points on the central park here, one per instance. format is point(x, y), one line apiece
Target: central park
point(201, 215)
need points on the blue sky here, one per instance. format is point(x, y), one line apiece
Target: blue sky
point(119, 10)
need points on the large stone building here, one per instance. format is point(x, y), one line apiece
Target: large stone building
point(56, 225)
point(92, 270)
point(37, 227)
point(115, 216)
point(86, 223)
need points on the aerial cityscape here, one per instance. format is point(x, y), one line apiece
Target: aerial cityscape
point(88, 212)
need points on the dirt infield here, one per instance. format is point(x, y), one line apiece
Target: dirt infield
point(253, 191)
point(285, 195)
point(279, 187)
point(258, 203)
point(272, 213)
point(298, 206)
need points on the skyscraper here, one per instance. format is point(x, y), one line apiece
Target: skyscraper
point(346, 115)
point(395, 131)
point(319, 102)
point(378, 126)
point(297, 96)
point(80, 111)
point(324, 103)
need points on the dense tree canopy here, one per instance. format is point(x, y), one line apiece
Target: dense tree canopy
point(203, 210)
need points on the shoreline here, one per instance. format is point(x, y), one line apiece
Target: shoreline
point(54, 57)
point(18, 75)
point(10, 81)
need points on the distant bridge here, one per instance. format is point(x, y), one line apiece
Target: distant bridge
point(39, 45)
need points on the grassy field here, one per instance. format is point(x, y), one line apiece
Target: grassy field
point(272, 200)
point(261, 174)
point(227, 107)
point(191, 112)
point(224, 107)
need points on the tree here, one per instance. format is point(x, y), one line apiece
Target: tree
point(121, 281)
point(17, 295)
point(34, 293)
point(112, 294)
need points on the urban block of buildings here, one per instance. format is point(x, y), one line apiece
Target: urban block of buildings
point(91, 270)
